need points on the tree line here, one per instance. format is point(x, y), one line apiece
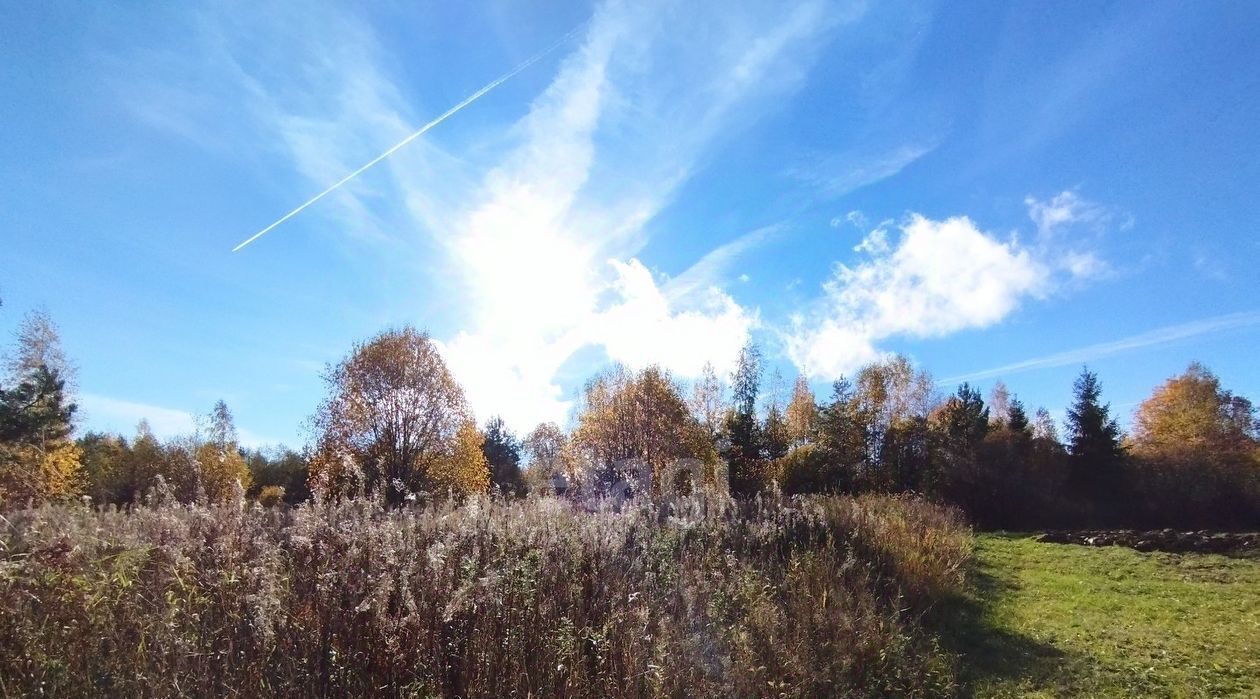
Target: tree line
point(396, 424)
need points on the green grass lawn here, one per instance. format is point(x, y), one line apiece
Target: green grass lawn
point(1050, 620)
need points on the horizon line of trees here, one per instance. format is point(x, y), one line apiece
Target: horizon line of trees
point(395, 423)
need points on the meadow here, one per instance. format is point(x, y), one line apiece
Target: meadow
point(701, 596)
point(1054, 620)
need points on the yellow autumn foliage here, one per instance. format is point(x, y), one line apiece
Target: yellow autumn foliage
point(464, 469)
point(30, 472)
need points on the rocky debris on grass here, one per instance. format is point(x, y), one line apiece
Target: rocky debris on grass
point(1169, 540)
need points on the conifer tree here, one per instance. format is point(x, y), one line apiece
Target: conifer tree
point(964, 418)
point(1093, 436)
point(38, 460)
point(742, 442)
point(1017, 418)
point(776, 435)
point(503, 454)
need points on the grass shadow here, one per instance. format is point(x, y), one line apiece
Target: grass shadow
point(987, 653)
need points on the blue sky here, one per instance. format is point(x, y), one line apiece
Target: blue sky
point(998, 190)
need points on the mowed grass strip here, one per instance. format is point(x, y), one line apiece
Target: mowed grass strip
point(1051, 620)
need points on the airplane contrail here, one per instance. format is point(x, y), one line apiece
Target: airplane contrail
point(416, 134)
point(1150, 338)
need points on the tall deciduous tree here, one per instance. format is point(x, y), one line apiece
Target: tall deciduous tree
point(708, 400)
point(1044, 428)
point(38, 344)
point(629, 418)
point(802, 413)
point(547, 448)
point(1191, 415)
point(393, 415)
point(462, 469)
point(999, 404)
point(220, 465)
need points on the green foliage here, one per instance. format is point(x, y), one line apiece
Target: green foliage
point(964, 419)
point(776, 436)
point(36, 410)
point(503, 453)
point(38, 461)
point(1093, 437)
point(742, 443)
point(1017, 418)
point(278, 468)
point(810, 469)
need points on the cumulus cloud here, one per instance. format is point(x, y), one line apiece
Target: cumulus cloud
point(644, 327)
point(546, 245)
point(537, 230)
point(926, 278)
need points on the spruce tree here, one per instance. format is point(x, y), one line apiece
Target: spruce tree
point(1093, 436)
point(503, 453)
point(38, 460)
point(1017, 418)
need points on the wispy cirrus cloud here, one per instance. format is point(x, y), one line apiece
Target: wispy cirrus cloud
point(536, 230)
point(839, 174)
point(604, 149)
point(1153, 338)
point(709, 270)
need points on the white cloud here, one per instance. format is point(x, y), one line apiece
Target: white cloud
point(1062, 209)
point(546, 245)
point(708, 271)
point(837, 174)
point(937, 278)
point(925, 278)
point(1068, 215)
point(855, 218)
point(643, 328)
point(122, 417)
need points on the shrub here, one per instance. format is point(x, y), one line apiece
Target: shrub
point(271, 495)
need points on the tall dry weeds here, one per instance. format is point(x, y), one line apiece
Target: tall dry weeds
point(691, 597)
